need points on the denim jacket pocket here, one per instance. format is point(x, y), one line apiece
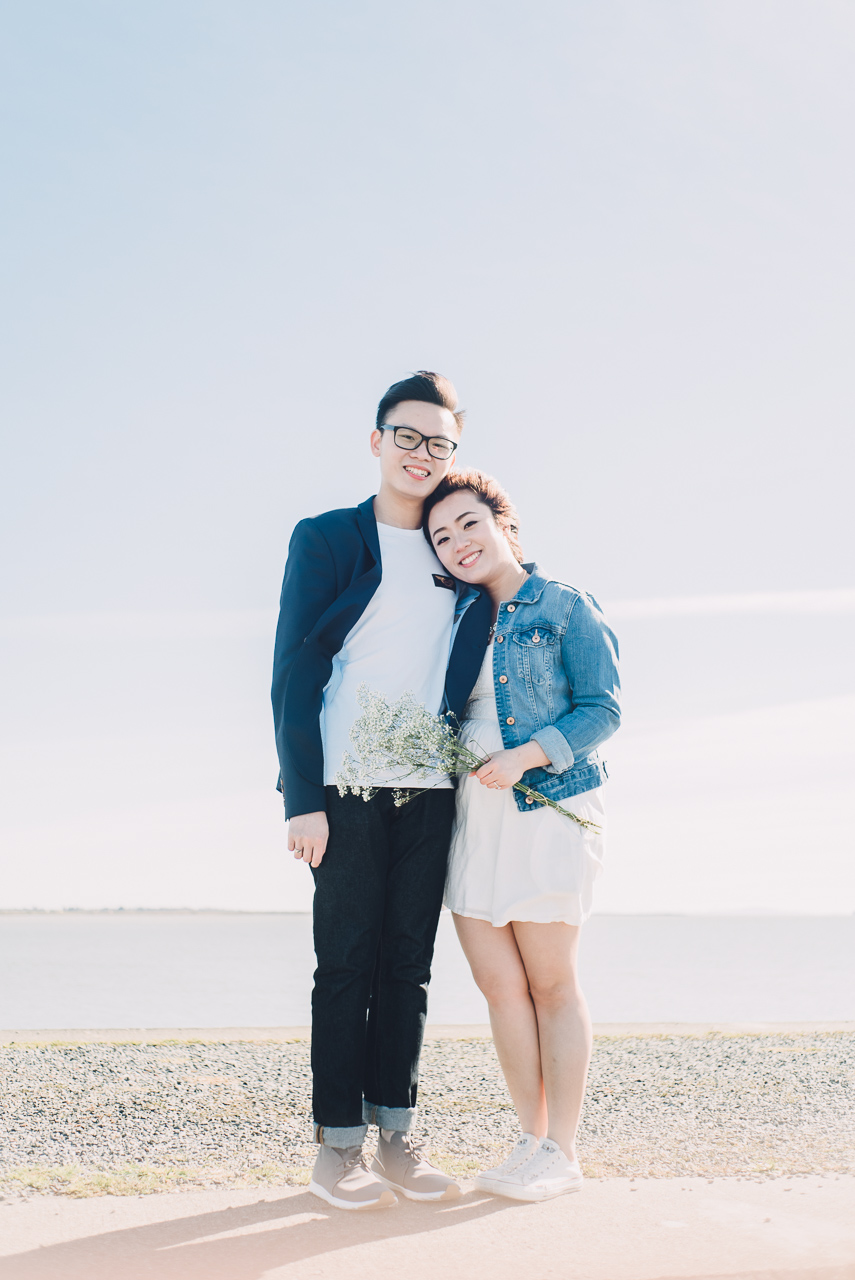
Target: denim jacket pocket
point(536, 649)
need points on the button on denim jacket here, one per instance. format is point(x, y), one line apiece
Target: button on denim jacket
point(555, 672)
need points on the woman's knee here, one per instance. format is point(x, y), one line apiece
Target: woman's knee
point(500, 989)
point(554, 991)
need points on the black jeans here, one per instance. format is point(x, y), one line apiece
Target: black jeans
point(378, 895)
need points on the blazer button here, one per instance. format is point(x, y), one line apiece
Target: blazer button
point(500, 639)
point(503, 679)
point(529, 799)
point(511, 608)
point(510, 720)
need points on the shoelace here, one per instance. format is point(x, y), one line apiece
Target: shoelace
point(541, 1165)
point(414, 1147)
point(353, 1161)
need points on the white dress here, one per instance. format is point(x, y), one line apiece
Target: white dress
point(506, 864)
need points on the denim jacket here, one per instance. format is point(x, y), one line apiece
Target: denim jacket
point(555, 670)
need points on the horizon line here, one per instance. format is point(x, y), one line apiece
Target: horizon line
point(245, 624)
point(752, 913)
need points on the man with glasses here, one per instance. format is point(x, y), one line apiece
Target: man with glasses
point(365, 600)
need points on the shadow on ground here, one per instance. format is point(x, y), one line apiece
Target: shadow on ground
point(275, 1234)
point(183, 1248)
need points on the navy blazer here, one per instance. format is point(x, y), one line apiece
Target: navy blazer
point(332, 572)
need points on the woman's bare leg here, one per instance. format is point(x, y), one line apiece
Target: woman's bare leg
point(549, 954)
point(498, 970)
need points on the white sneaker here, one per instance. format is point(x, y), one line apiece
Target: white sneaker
point(522, 1152)
point(546, 1174)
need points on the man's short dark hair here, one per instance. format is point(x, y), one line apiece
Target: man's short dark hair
point(432, 388)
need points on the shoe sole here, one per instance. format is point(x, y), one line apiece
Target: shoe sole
point(385, 1200)
point(530, 1194)
point(492, 1185)
point(450, 1193)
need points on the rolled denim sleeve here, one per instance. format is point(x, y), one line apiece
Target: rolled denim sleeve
point(556, 746)
point(589, 652)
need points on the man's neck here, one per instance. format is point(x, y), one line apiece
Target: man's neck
point(400, 512)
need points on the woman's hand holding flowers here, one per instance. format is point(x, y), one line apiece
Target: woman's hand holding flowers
point(403, 735)
point(504, 768)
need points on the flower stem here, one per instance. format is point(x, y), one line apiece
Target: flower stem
point(539, 799)
point(471, 762)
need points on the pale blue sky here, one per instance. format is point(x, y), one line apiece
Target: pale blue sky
point(622, 229)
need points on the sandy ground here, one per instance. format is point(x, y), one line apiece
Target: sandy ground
point(753, 1227)
point(616, 1229)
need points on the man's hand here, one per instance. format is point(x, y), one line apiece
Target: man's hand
point(504, 768)
point(307, 837)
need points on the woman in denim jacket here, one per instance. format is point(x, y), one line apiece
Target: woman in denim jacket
point(520, 874)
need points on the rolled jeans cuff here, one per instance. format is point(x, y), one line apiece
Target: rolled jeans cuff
point(398, 1118)
point(326, 1136)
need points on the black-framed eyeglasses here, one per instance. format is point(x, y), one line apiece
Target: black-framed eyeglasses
point(408, 438)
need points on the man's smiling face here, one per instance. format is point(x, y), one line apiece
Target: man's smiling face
point(414, 473)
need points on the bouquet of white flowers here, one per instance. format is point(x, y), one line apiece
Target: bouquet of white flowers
point(404, 736)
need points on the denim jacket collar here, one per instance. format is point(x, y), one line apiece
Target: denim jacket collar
point(529, 593)
point(531, 590)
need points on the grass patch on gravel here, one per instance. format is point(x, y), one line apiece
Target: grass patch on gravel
point(139, 1180)
point(79, 1183)
point(455, 1166)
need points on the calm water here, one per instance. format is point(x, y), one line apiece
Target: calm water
point(164, 969)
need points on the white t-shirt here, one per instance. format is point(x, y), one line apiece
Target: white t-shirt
point(400, 643)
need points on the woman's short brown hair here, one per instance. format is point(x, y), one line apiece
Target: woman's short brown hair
point(487, 490)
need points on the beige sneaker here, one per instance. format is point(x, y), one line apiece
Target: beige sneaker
point(400, 1162)
point(340, 1177)
point(546, 1174)
point(490, 1179)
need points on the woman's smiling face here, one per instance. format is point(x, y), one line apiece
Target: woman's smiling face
point(465, 536)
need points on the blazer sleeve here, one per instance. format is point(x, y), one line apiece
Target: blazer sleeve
point(308, 590)
point(589, 652)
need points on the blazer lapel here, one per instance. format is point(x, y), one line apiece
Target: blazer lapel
point(467, 653)
point(343, 614)
point(367, 522)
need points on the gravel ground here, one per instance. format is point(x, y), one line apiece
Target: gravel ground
point(130, 1118)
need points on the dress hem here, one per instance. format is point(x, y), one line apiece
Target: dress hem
point(500, 924)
